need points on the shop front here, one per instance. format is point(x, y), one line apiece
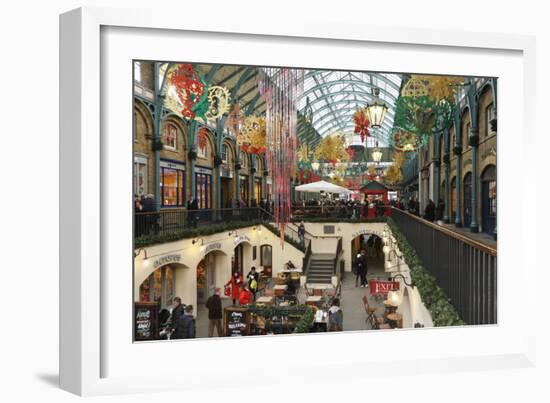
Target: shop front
point(203, 192)
point(211, 273)
point(172, 184)
point(242, 255)
point(489, 199)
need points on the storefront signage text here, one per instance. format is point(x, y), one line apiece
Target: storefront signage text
point(212, 246)
point(363, 232)
point(166, 259)
point(240, 239)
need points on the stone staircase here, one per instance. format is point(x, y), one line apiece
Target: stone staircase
point(321, 267)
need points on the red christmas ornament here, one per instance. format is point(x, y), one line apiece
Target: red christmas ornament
point(202, 138)
point(189, 88)
point(361, 124)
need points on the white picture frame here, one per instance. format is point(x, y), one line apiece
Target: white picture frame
point(91, 360)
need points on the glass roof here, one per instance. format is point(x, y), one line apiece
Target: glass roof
point(334, 97)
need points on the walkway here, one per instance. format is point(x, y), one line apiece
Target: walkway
point(351, 298)
point(479, 237)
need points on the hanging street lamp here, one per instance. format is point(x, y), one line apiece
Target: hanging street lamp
point(376, 111)
point(377, 154)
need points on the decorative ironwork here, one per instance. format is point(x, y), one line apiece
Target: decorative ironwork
point(218, 102)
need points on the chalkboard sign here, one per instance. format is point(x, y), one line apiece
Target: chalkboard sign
point(237, 321)
point(146, 321)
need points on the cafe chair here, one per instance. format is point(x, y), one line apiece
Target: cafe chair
point(371, 318)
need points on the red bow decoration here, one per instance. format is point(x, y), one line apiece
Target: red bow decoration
point(202, 138)
point(189, 88)
point(252, 150)
point(361, 124)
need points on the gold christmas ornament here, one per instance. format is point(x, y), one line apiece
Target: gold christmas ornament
point(415, 87)
point(441, 87)
point(218, 102)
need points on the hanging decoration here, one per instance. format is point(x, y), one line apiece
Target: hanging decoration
point(282, 88)
point(191, 90)
point(303, 153)
point(351, 153)
point(201, 140)
point(218, 102)
point(251, 138)
point(415, 115)
point(234, 120)
point(415, 87)
point(441, 87)
point(394, 173)
point(332, 149)
point(361, 124)
point(405, 141)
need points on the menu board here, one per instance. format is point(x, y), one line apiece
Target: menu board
point(237, 321)
point(146, 321)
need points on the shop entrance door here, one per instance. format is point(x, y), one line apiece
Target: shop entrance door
point(206, 278)
point(237, 263)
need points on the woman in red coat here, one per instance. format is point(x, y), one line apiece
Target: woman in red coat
point(235, 284)
point(245, 296)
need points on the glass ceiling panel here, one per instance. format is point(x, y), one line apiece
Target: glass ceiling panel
point(335, 95)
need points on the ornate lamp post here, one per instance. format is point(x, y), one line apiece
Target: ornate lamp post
point(376, 111)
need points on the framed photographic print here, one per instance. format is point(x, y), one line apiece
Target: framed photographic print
point(270, 188)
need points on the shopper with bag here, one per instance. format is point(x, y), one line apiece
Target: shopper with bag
point(252, 279)
point(234, 286)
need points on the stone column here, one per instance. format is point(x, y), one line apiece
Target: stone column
point(474, 142)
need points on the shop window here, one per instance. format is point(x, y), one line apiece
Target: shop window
point(170, 135)
point(224, 153)
point(172, 183)
point(203, 190)
point(159, 286)
point(137, 72)
point(492, 198)
point(466, 137)
point(489, 115)
point(140, 175)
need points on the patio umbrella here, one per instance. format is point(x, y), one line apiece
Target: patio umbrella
point(322, 186)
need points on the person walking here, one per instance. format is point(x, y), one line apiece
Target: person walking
point(335, 317)
point(214, 306)
point(362, 267)
point(302, 233)
point(177, 311)
point(185, 326)
point(429, 211)
point(356, 270)
point(235, 284)
point(252, 281)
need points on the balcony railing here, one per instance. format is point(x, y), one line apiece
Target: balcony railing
point(167, 222)
point(463, 267)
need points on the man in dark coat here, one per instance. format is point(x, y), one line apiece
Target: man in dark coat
point(177, 311)
point(362, 267)
point(192, 207)
point(185, 326)
point(214, 306)
point(429, 212)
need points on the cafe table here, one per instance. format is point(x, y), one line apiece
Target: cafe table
point(314, 300)
point(280, 289)
point(395, 319)
point(264, 300)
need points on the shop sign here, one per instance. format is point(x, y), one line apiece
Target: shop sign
point(240, 239)
point(201, 170)
point(172, 165)
point(364, 232)
point(382, 287)
point(166, 259)
point(212, 246)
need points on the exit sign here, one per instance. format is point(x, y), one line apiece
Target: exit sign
point(382, 287)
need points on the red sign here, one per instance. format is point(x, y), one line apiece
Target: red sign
point(382, 287)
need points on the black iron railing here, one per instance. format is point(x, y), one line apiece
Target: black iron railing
point(171, 221)
point(337, 256)
point(463, 267)
point(338, 212)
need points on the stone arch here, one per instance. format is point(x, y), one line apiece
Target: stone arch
point(143, 119)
